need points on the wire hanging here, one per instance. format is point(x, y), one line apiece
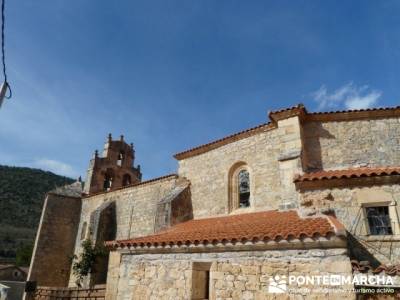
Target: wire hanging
point(5, 86)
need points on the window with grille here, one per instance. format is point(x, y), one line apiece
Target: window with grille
point(244, 188)
point(379, 220)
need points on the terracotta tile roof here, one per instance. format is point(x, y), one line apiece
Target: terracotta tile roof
point(298, 110)
point(263, 226)
point(355, 114)
point(365, 267)
point(348, 173)
point(356, 110)
point(300, 105)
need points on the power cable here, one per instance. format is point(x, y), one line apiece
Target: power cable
point(3, 51)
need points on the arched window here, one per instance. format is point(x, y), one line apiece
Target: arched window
point(108, 179)
point(120, 159)
point(107, 182)
point(126, 180)
point(244, 188)
point(239, 186)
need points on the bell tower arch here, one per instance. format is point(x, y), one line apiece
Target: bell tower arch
point(114, 169)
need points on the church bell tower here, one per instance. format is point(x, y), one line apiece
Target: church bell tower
point(114, 169)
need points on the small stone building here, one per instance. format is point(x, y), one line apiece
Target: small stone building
point(12, 273)
point(12, 282)
point(306, 193)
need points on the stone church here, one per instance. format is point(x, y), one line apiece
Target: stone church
point(305, 193)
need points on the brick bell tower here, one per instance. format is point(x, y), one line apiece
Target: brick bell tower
point(114, 169)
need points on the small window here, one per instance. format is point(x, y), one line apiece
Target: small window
point(379, 220)
point(244, 188)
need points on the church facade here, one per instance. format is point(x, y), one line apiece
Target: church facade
point(304, 194)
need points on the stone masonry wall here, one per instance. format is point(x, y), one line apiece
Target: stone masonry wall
point(347, 204)
point(55, 241)
point(345, 144)
point(208, 173)
point(48, 293)
point(272, 158)
point(233, 275)
point(135, 210)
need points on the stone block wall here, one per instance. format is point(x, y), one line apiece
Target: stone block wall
point(290, 159)
point(209, 173)
point(233, 275)
point(55, 241)
point(114, 263)
point(48, 293)
point(348, 144)
point(272, 158)
point(135, 209)
point(347, 203)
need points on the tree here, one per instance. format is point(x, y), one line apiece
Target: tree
point(84, 264)
point(23, 255)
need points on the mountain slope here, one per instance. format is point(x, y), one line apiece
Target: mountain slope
point(22, 192)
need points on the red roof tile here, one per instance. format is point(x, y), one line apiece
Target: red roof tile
point(267, 225)
point(357, 114)
point(365, 267)
point(356, 110)
point(298, 110)
point(348, 173)
point(298, 106)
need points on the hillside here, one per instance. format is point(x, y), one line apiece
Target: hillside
point(22, 192)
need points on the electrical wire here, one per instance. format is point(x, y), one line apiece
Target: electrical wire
point(3, 51)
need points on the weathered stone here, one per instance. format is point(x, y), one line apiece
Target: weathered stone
point(272, 154)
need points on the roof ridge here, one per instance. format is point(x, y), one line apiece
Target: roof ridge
point(355, 110)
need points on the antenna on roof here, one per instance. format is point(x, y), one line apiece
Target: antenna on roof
point(5, 85)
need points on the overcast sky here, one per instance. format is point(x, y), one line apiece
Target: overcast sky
point(171, 75)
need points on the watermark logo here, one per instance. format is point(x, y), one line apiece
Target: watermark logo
point(277, 285)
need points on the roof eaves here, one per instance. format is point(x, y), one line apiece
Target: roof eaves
point(223, 141)
point(356, 114)
point(348, 173)
point(193, 234)
point(153, 180)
